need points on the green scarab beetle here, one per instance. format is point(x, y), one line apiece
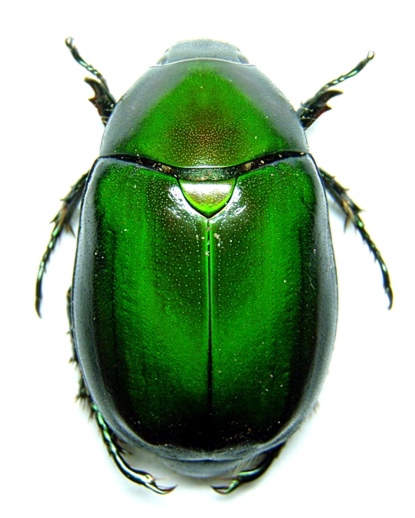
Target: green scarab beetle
point(204, 299)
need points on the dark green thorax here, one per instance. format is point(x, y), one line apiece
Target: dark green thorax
point(202, 112)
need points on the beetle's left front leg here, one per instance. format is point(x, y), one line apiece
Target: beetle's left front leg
point(352, 212)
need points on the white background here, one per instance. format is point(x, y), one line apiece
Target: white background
point(355, 456)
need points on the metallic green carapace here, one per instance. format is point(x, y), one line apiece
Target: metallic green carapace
point(203, 113)
point(214, 324)
point(204, 299)
point(204, 295)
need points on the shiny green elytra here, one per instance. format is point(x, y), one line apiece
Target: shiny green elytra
point(204, 299)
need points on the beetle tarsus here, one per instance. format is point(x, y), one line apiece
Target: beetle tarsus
point(137, 476)
point(249, 475)
point(351, 210)
point(62, 223)
point(103, 100)
point(140, 477)
point(311, 110)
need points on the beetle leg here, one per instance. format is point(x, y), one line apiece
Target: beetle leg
point(103, 100)
point(62, 222)
point(311, 110)
point(139, 477)
point(352, 211)
point(251, 474)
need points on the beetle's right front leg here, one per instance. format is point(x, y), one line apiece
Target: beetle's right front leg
point(311, 110)
point(103, 99)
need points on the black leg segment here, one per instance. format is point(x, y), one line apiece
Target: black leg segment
point(137, 476)
point(103, 100)
point(62, 222)
point(311, 110)
point(250, 474)
point(352, 212)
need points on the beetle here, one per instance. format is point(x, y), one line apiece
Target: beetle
point(204, 300)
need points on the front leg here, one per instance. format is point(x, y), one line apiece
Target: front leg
point(311, 110)
point(103, 99)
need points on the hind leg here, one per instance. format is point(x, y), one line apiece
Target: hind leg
point(249, 475)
